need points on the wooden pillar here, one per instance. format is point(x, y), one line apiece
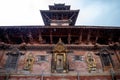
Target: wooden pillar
point(19, 54)
point(2, 54)
point(119, 40)
point(7, 37)
point(102, 61)
point(69, 38)
point(117, 55)
point(40, 38)
point(110, 39)
point(0, 40)
point(30, 37)
point(96, 37)
point(62, 16)
point(21, 36)
point(88, 37)
point(51, 39)
point(80, 37)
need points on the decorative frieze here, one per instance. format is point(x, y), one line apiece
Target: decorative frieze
point(50, 47)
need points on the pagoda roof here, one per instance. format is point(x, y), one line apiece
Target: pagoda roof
point(51, 7)
point(77, 26)
point(49, 12)
point(59, 10)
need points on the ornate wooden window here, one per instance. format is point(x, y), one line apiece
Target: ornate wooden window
point(106, 59)
point(12, 61)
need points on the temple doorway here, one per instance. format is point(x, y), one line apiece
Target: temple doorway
point(59, 61)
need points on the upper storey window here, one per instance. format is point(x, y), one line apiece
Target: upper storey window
point(106, 59)
point(12, 60)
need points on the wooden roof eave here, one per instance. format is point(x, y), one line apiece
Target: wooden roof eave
point(63, 11)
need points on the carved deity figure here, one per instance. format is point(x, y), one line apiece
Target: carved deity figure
point(29, 62)
point(91, 62)
point(60, 61)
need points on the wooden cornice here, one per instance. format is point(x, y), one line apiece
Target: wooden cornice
point(48, 47)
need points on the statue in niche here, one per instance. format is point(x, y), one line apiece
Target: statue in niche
point(91, 62)
point(60, 61)
point(29, 62)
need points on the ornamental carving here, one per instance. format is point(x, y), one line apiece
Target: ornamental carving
point(60, 47)
point(29, 60)
point(91, 63)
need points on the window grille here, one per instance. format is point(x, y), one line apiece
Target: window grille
point(41, 58)
point(78, 58)
point(12, 61)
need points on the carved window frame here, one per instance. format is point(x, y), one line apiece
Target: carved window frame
point(105, 56)
point(12, 61)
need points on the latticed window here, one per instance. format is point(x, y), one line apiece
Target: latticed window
point(106, 58)
point(12, 61)
point(41, 58)
point(78, 57)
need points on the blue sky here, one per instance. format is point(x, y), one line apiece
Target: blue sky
point(92, 12)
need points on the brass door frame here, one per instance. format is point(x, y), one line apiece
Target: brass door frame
point(59, 49)
point(64, 61)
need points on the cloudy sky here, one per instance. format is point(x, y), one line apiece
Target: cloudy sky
point(92, 12)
